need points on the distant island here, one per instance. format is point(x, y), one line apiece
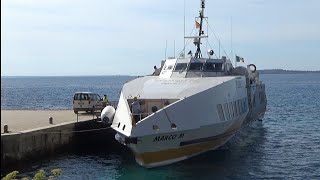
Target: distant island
point(282, 71)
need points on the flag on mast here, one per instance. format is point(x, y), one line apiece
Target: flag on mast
point(239, 59)
point(197, 24)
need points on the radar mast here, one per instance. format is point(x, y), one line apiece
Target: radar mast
point(197, 41)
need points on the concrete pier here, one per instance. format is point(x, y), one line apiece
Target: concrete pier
point(31, 135)
point(21, 120)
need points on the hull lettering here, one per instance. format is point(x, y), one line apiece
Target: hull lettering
point(168, 137)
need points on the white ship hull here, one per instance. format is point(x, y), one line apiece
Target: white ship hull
point(199, 126)
point(194, 105)
point(163, 149)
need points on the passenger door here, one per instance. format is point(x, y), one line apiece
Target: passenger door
point(99, 105)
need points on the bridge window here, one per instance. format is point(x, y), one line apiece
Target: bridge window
point(196, 66)
point(211, 66)
point(181, 67)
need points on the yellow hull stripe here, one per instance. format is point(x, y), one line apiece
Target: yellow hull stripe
point(169, 154)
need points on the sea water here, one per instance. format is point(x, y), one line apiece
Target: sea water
point(285, 145)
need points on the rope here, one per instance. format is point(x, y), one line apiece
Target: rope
point(57, 132)
point(217, 39)
point(187, 43)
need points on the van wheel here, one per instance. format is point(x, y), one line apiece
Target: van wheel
point(76, 112)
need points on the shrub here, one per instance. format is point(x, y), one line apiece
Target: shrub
point(11, 176)
point(40, 175)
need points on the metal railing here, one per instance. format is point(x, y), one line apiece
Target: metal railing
point(141, 115)
point(112, 103)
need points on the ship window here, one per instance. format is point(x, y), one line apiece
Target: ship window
point(181, 67)
point(155, 127)
point(170, 67)
point(245, 104)
point(220, 112)
point(210, 66)
point(196, 66)
point(238, 107)
point(231, 110)
point(226, 110)
point(164, 67)
point(235, 109)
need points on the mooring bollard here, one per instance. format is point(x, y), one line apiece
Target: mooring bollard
point(50, 120)
point(5, 129)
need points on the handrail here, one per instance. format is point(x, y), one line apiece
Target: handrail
point(142, 115)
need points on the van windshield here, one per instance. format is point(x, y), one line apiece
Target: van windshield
point(81, 96)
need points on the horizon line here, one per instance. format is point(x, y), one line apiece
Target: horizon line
point(133, 75)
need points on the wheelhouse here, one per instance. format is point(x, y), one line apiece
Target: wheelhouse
point(196, 67)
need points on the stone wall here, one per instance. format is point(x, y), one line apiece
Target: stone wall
point(29, 145)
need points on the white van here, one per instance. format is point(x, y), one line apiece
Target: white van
point(87, 101)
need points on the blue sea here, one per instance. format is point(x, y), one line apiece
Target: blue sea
point(285, 145)
point(55, 92)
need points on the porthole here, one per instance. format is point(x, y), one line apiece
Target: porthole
point(173, 126)
point(154, 109)
point(155, 127)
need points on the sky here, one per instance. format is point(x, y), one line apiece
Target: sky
point(98, 37)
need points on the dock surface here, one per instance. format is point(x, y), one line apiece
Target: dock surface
point(21, 120)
